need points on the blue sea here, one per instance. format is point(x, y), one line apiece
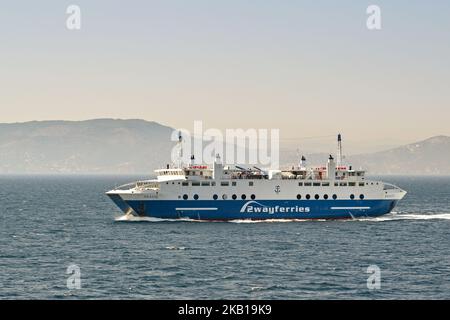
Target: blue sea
point(49, 223)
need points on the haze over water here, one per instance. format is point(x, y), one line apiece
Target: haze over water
point(51, 222)
point(312, 68)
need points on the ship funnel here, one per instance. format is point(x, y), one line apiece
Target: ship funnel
point(303, 162)
point(218, 168)
point(331, 168)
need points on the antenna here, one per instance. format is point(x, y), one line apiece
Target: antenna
point(339, 151)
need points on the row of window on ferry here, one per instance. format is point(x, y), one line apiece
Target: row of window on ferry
point(171, 173)
point(253, 197)
point(250, 183)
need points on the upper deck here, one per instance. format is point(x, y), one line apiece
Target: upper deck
point(218, 171)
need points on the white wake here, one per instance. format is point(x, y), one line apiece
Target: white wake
point(407, 216)
point(131, 218)
point(388, 217)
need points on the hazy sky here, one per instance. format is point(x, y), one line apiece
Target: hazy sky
point(310, 68)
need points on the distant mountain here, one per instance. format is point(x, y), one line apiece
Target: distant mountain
point(428, 157)
point(92, 146)
point(138, 146)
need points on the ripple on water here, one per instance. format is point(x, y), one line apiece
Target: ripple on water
point(62, 221)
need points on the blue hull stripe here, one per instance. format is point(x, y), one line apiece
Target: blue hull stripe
point(260, 209)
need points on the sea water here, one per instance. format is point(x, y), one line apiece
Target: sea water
point(52, 225)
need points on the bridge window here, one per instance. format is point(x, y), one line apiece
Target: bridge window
point(195, 196)
point(325, 184)
point(308, 196)
point(234, 197)
point(361, 184)
point(361, 196)
point(334, 196)
point(307, 184)
point(185, 184)
point(205, 183)
point(195, 184)
point(250, 184)
point(215, 197)
point(213, 183)
point(224, 183)
point(185, 197)
point(351, 184)
point(233, 183)
point(243, 197)
point(352, 196)
point(300, 184)
point(316, 184)
point(299, 196)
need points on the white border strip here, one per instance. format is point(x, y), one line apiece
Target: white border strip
point(195, 209)
point(350, 208)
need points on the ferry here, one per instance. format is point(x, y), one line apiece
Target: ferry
point(221, 192)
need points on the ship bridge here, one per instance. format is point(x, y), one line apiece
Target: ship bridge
point(170, 174)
